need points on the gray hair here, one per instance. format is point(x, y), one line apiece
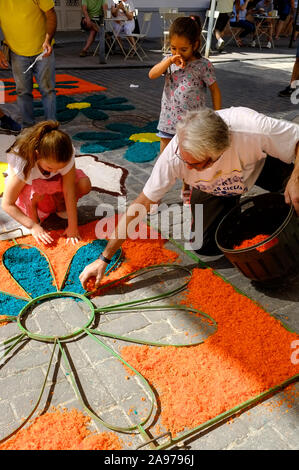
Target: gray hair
point(203, 134)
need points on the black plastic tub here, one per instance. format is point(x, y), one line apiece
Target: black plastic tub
point(267, 214)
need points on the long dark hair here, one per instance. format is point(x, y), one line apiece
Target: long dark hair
point(44, 140)
point(190, 28)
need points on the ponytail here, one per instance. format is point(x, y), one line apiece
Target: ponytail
point(44, 140)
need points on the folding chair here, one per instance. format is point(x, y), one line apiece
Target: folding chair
point(136, 46)
point(168, 18)
point(204, 31)
point(234, 32)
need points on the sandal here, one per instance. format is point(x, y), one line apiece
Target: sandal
point(83, 54)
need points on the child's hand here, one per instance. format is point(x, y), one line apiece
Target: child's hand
point(40, 235)
point(178, 60)
point(72, 235)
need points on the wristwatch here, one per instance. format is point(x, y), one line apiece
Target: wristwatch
point(103, 258)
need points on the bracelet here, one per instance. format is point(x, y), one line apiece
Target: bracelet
point(103, 258)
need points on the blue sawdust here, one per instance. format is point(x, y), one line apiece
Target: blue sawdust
point(84, 256)
point(104, 146)
point(98, 136)
point(98, 103)
point(128, 129)
point(10, 305)
point(30, 269)
point(141, 152)
point(138, 152)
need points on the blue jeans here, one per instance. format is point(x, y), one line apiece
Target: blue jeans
point(246, 25)
point(44, 73)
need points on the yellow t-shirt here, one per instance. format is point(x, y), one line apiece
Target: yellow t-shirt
point(23, 24)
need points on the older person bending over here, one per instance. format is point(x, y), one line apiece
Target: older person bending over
point(221, 155)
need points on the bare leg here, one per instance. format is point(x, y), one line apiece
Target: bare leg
point(83, 186)
point(279, 28)
point(90, 40)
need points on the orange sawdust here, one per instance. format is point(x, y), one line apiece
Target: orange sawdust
point(6, 282)
point(137, 253)
point(257, 239)
point(61, 430)
point(2, 320)
point(288, 397)
point(249, 353)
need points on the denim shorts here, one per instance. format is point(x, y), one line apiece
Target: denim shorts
point(164, 135)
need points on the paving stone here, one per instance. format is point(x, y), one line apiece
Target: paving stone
point(266, 438)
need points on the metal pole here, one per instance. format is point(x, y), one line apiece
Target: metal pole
point(210, 28)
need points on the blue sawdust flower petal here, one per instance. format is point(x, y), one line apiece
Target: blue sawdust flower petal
point(94, 114)
point(66, 115)
point(141, 152)
point(85, 255)
point(97, 136)
point(99, 147)
point(10, 305)
point(30, 269)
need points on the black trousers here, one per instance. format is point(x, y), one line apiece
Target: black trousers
point(273, 178)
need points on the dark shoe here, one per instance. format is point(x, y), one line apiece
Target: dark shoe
point(9, 124)
point(103, 62)
point(287, 91)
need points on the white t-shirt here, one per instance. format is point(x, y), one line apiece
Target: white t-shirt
point(253, 137)
point(129, 6)
point(225, 6)
point(18, 164)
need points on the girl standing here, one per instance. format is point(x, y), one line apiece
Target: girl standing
point(43, 180)
point(187, 77)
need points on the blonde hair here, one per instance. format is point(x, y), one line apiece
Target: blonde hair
point(203, 134)
point(44, 140)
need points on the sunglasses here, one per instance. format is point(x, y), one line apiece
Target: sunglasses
point(203, 165)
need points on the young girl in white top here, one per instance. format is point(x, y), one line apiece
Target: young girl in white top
point(43, 180)
point(187, 77)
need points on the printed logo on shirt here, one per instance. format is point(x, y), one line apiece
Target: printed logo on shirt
point(231, 186)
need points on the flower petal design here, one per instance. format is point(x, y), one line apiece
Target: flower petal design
point(94, 114)
point(105, 177)
point(30, 269)
point(67, 115)
point(11, 305)
point(99, 147)
point(141, 152)
point(3, 170)
point(85, 255)
point(105, 136)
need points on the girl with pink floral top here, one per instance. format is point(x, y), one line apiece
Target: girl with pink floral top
point(187, 77)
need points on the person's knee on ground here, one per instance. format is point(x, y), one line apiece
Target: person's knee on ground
point(83, 187)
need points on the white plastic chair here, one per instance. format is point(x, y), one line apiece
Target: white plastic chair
point(136, 46)
point(204, 31)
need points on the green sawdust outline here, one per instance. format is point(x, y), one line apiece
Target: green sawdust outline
point(25, 334)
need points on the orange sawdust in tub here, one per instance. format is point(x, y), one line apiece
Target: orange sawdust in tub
point(61, 430)
point(249, 353)
point(257, 239)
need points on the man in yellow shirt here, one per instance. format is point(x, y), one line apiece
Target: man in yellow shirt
point(28, 27)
